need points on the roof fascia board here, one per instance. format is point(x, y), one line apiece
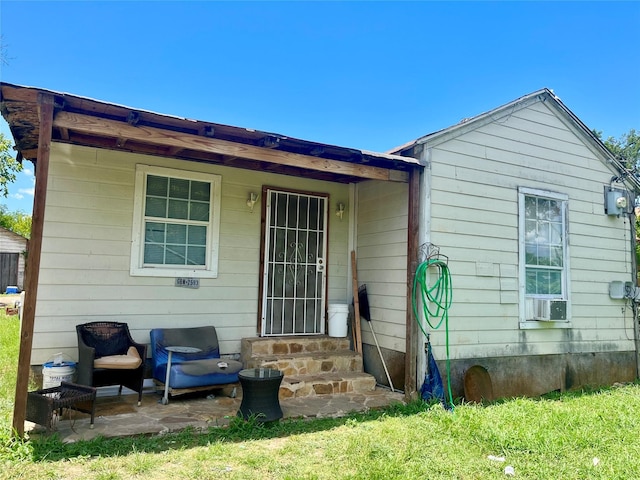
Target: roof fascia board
point(115, 129)
point(591, 141)
point(437, 138)
point(29, 94)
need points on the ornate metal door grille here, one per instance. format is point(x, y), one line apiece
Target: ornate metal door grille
point(294, 276)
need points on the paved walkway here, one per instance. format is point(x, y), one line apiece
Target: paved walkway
point(119, 416)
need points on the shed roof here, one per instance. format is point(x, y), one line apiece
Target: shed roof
point(16, 236)
point(84, 121)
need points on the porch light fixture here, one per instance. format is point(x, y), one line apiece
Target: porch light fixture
point(251, 201)
point(340, 210)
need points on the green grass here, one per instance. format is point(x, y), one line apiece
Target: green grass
point(555, 437)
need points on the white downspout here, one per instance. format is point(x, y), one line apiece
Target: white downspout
point(424, 237)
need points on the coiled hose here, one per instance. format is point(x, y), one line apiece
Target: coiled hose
point(436, 301)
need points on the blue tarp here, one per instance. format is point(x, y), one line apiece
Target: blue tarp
point(432, 388)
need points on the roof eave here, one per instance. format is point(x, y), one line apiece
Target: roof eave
point(20, 111)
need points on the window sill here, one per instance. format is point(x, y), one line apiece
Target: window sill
point(544, 324)
point(168, 272)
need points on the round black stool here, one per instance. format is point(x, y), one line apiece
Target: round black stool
point(260, 388)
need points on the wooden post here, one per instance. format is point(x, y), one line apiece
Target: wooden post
point(411, 332)
point(45, 110)
point(357, 333)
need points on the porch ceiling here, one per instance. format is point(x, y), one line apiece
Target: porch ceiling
point(88, 122)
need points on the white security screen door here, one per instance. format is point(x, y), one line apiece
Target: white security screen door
point(293, 297)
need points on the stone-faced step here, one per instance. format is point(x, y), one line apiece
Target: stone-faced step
point(326, 384)
point(310, 364)
point(276, 346)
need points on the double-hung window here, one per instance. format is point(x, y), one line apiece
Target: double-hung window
point(544, 259)
point(176, 223)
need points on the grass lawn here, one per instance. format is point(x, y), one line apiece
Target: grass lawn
point(579, 435)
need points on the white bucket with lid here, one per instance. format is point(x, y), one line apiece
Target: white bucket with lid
point(57, 371)
point(338, 314)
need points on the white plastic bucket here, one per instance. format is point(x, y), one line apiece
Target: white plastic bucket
point(338, 314)
point(54, 374)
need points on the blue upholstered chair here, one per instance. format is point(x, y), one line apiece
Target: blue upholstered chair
point(191, 371)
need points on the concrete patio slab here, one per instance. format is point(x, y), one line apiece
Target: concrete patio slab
point(119, 415)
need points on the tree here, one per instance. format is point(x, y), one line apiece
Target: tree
point(9, 167)
point(626, 148)
point(17, 222)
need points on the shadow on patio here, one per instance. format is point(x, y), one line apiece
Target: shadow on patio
point(119, 416)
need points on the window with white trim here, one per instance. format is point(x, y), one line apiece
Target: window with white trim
point(175, 223)
point(544, 268)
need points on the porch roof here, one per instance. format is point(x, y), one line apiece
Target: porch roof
point(88, 122)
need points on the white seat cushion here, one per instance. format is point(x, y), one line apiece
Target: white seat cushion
point(129, 361)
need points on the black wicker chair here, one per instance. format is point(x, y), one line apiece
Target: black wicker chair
point(109, 340)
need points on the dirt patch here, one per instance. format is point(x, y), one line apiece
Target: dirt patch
point(9, 299)
point(8, 303)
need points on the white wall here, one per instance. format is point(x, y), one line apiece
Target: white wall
point(382, 259)
point(474, 207)
point(86, 248)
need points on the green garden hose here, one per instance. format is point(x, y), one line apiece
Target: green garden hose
point(436, 301)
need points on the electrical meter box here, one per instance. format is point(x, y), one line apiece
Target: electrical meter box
point(615, 201)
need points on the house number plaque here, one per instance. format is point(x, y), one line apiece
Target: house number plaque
point(187, 282)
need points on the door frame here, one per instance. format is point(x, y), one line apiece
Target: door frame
point(263, 233)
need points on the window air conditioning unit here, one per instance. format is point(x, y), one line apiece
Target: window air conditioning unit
point(546, 310)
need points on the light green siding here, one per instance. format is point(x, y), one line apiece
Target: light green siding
point(86, 253)
point(474, 221)
point(382, 259)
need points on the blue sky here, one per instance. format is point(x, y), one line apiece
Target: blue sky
point(369, 75)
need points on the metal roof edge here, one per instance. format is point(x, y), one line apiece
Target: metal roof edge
point(592, 140)
point(470, 123)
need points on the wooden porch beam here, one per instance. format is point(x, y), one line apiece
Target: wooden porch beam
point(411, 335)
point(114, 129)
point(30, 154)
point(173, 151)
point(45, 113)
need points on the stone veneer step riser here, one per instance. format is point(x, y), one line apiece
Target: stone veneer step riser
point(333, 384)
point(345, 361)
point(282, 346)
point(312, 365)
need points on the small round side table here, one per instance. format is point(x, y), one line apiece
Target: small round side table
point(260, 388)
point(171, 349)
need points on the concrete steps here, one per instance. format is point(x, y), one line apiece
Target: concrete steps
point(312, 365)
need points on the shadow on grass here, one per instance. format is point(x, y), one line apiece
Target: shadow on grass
point(53, 449)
